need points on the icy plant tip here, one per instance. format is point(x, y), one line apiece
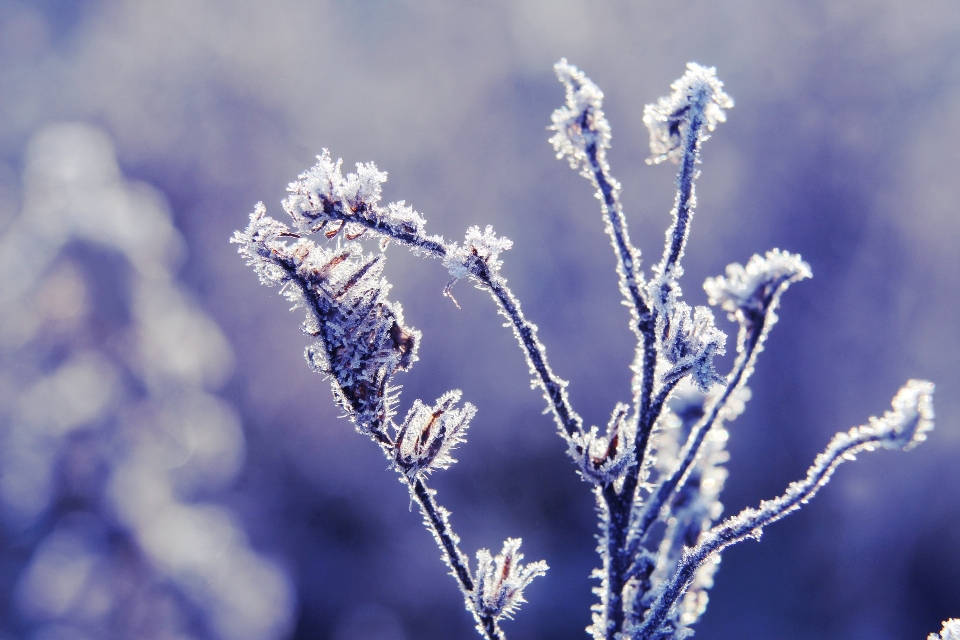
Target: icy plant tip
point(658, 469)
point(698, 100)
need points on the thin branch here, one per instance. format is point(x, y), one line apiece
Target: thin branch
point(436, 518)
point(582, 136)
point(742, 370)
point(902, 427)
point(553, 387)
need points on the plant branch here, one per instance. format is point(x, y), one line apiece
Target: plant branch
point(553, 387)
point(902, 427)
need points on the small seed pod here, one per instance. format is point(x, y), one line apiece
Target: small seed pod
point(428, 434)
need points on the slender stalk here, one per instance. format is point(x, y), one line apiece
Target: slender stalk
point(750, 522)
point(553, 387)
point(668, 487)
point(628, 271)
point(445, 537)
point(683, 208)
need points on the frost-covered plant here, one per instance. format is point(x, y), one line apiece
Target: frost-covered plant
point(657, 470)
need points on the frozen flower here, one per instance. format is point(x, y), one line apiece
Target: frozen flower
point(478, 246)
point(362, 338)
point(751, 288)
point(604, 459)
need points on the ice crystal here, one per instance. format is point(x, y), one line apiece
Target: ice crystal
point(697, 96)
point(951, 631)
point(502, 579)
point(428, 434)
point(580, 123)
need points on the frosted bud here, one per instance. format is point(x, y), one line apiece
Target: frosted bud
point(951, 631)
point(604, 459)
point(322, 190)
point(690, 346)
point(502, 579)
point(911, 418)
point(751, 289)
point(428, 434)
point(364, 187)
point(698, 95)
point(580, 122)
point(483, 246)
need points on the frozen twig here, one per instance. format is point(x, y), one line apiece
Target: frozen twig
point(906, 424)
point(653, 579)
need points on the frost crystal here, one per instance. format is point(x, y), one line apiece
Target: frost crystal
point(502, 579)
point(362, 338)
point(750, 289)
point(428, 434)
point(951, 631)
point(911, 418)
point(697, 95)
point(690, 346)
point(580, 123)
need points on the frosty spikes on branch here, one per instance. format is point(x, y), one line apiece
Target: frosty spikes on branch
point(901, 428)
point(698, 100)
point(322, 197)
point(363, 342)
point(654, 579)
point(428, 435)
point(502, 579)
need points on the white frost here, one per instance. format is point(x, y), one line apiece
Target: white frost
point(749, 288)
point(502, 579)
point(951, 631)
point(697, 94)
point(580, 122)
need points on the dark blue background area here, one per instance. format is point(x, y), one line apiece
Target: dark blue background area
point(844, 146)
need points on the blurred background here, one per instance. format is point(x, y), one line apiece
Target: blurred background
point(170, 467)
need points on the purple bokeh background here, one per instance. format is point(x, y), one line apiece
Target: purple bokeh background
point(844, 146)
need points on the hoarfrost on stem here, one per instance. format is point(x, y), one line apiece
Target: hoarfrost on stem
point(697, 96)
point(501, 580)
point(659, 468)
